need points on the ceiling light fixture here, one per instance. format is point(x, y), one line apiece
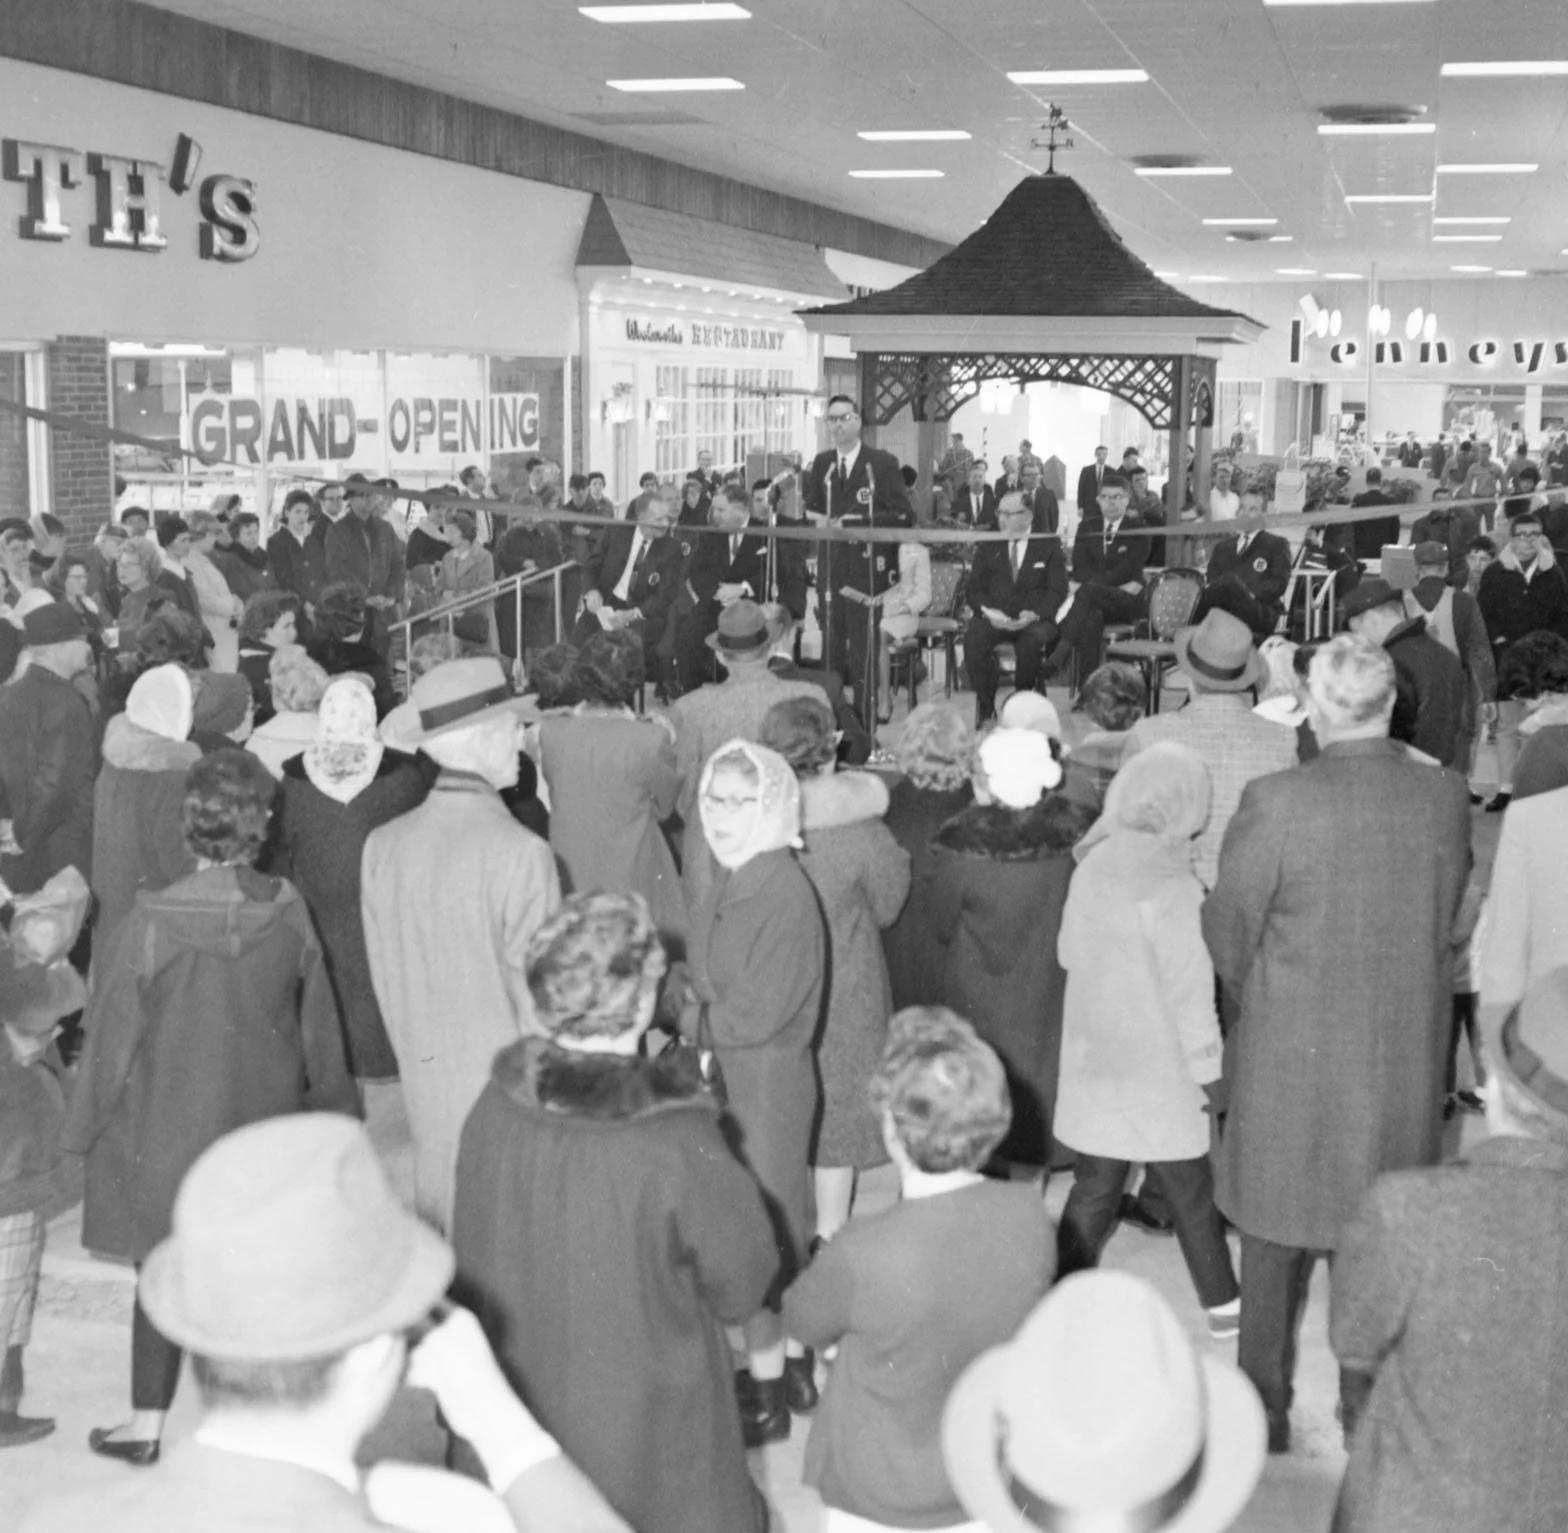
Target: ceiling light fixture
point(1198, 277)
point(1500, 69)
point(1167, 276)
point(1078, 76)
point(1487, 220)
point(1342, 276)
point(714, 82)
point(1295, 271)
point(1503, 168)
point(1183, 170)
point(913, 135)
point(1365, 129)
point(1285, 3)
point(1281, 239)
point(1467, 239)
point(1241, 223)
point(1470, 268)
point(1413, 323)
point(897, 175)
point(1510, 271)
point(1391, 197)
point(699, 12)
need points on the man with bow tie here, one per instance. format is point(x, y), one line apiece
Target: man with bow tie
point(632, 578)
point(852, 485)
point(1015, 589)
point(1249, 571)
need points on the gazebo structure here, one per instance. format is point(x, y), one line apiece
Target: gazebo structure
point(1044, 291)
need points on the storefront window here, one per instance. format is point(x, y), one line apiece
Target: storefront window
point(713, 415)
point(750, 413)
point(781, 406)
point(672, 421)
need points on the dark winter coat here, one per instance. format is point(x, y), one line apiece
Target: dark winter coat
point(246, 569)
point(994, 896)
point(914, 957)
point(861, 875)
point(317, 845)
point(758, 955)
point(298, 566)
point(339, 656)
point(138, 839)
point(47, 760)
point(211, 1010)
point(1449, 1287)
point(605, 1235)
point(1434, 697)
point(1513, 606)
point(1332, 919)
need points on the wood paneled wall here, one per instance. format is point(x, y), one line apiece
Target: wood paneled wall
point(156, 50)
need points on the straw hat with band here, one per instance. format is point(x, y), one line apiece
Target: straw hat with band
point(1527, 1045)
point(743, 630)
point(456, 695)
point(1218, 654)
point(1099, 1415)
point(288, 1244)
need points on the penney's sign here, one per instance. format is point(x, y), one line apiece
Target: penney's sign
point(129, 206)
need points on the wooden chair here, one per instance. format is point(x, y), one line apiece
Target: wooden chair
point(1173, 598)
point(939, 627)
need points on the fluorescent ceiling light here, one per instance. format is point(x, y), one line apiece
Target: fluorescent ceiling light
point(1470, 268)
point(625, 13)
point(1366, 129)
point(714, 82)
point(1183, 170)
point(1497, 69)
point(1343, 276)
point(1294, 271)
point(1195, 277)
point(1392, 197)
point(1510, 271)
point(1167, 276)
point(1516, 168)
point(1345, 2)
point(913, 135)
point(1466, 239)
point(1467, 220)
point(1078, 76)
point(1281, 239)
point(897, 175)
point(1241, 223)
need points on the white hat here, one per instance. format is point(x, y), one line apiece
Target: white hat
point(1099, 1414)
point(1018, 767)
point(162, 701)
point(1028, 710)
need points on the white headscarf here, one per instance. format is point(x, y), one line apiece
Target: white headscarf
point(162, 701)
point(1018, 767)
point(776, 819)
point(1163, 791)
point(345, 755)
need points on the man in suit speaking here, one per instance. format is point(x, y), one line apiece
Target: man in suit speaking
point(852, 485)
point(1015, 589)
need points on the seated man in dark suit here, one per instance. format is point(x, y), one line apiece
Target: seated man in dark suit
point(1249, 571)
point(719, 571)
point(632, 576)
point(1109, 555)
point(1010, 479)
point(975, 503)
point(1015, 589)
point(1041, 502)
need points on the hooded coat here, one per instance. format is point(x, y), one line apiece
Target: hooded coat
point(212, 1010)
point(861, 875)
point(1434, 702)
point(994, 896)
point(138, 839)
point(605, 1235)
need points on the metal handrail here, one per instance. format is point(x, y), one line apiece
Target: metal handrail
point(509, 585)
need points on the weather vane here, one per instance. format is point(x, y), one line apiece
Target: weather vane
point(1057, 137)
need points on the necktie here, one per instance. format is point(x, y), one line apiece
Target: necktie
point(623, 587)
point(734, 547)
point(1018, 558)
point(843, 469)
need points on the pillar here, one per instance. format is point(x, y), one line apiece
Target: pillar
point(81, 467)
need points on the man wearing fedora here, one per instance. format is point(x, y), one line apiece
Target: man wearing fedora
point(1333, 919)
point(294, 1278)
point(48, 753)
point(632, 577)
point(1099, 1413)
point(1222, 668)
point(1249, 571)
point(450, 894)
point(1450, 1290)
point(732, 709)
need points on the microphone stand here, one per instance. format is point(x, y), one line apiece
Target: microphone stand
point(871, 668)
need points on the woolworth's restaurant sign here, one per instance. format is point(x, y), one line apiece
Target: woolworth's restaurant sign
point(706, 337)
point(128, 204)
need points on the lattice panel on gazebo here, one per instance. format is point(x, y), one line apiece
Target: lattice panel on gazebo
point(934, 385)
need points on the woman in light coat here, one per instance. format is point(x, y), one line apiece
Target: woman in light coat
point(1140, 1037)
point(221, 609)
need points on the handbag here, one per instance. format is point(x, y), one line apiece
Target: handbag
point(703, 1058)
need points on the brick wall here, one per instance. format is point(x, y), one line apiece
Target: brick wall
point(14, 484)
point(546, 377)
point(82, 474)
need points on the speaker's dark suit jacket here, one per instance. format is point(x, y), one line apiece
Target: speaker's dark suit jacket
point(975, 510)
point(1098, 560)
point(1264, 568)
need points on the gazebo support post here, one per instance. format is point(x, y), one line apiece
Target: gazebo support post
point(1181, 417)
point(869, 363)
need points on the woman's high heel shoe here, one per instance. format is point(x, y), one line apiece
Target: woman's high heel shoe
point(141, 1453)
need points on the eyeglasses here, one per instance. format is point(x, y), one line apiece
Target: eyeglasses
point(846, 415)
point(728, 805)
point(1527, 537)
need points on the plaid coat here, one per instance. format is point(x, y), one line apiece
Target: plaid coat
point(1332, 918)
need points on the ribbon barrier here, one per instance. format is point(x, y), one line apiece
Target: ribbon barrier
point(1407, 512)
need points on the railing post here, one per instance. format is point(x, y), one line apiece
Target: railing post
point(560, 617)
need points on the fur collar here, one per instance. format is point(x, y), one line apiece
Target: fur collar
point(1544, 560)
point(1051, 829)
point(134, 749)
point(535, 1072)
point(842, 798)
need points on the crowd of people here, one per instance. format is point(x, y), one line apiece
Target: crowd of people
point(653, 990)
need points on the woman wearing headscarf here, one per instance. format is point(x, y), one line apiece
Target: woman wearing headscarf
point(861, 875)
point(607, 1235)
point(613, 779)
point(757, 954)
point(340, 788)
point(994, 896)
point(296, 685)
point(213, 1011)
point(1140, 1037)
point(138, 842)
point(934, 751)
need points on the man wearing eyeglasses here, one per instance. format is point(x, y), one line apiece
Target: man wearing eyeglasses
point(852, 484)
point(1521, 592)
